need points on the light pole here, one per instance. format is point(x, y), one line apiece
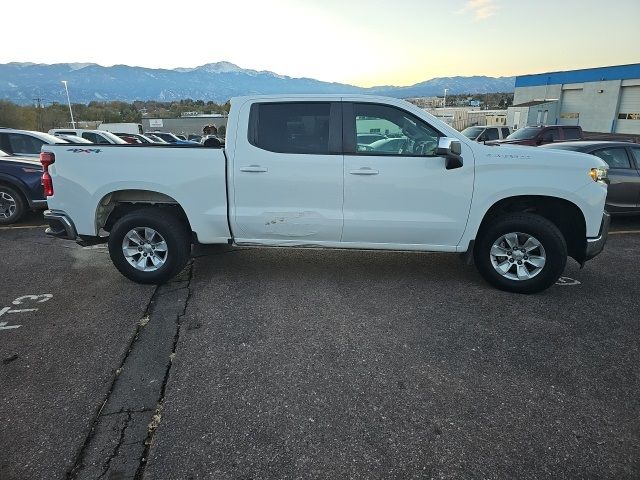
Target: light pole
point(444, 103)
point(73, 124)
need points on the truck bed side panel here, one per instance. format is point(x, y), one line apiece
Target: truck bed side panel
point(193, 177)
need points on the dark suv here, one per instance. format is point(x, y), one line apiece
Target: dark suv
point(540, 135)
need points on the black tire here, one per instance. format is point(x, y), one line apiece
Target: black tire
point(549, 236)
point(176, 235)
point(18, 200)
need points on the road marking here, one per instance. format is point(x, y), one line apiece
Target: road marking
point(43, 298)
point(4, 326)
point(20, 301)
point(624, 232)
point(567, 282)
point(21, 227)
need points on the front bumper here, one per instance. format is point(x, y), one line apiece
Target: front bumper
point(60, 225)
point(596, 245)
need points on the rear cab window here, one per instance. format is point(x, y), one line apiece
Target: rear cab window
point(296, 127)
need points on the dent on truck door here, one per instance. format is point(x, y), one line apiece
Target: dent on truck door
point(404, 195)
point(288, 177)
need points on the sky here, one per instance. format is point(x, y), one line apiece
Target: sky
point(361, 42)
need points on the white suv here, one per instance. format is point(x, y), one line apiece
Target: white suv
point(25, 143)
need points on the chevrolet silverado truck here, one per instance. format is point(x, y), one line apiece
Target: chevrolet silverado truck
point(292, 174)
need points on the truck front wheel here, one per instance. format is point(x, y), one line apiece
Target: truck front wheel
point(521, 252)
point(149, 246)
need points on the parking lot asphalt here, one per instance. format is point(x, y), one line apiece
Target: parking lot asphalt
point(58, 361)
point(316, 364)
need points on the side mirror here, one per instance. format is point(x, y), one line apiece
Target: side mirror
point(539, 141)
point(450, 149)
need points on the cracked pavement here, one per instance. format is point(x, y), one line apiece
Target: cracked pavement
point(316, 364)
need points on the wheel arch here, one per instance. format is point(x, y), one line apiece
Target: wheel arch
point(563, 213)
point(118, 203)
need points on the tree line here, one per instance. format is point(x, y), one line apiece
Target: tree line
point(38, 116)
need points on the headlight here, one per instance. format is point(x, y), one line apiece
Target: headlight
point(599, 174)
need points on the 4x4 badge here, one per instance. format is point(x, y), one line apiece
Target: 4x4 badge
point(84, 150)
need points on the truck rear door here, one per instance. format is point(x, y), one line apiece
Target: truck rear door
point(288, 176)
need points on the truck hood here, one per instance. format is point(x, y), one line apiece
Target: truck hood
point(546, 157)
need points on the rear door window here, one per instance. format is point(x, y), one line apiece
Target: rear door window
point(24, 144)
point(92, 137)
point(550, 135)
point(491, 134)
point(615, 157)
point(571, 134)
point(505, 132)
point(291, 127)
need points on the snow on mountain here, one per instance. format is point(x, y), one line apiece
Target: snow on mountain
point(218, 81)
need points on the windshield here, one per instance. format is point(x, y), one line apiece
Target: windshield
point(524, 133)
point(472, 132)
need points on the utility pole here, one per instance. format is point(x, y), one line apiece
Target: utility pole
point(38, 104)
point(73, 123)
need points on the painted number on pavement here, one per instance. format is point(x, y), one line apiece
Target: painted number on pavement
point(23, 304)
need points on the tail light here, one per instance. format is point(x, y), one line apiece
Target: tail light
point(46, 159)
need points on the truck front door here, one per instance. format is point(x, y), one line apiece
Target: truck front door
point(287, 178)
point(404, 198)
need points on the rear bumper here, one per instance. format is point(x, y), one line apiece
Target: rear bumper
point(60, 225)
point(596, 245)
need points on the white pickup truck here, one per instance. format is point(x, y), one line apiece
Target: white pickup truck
point(292, 174)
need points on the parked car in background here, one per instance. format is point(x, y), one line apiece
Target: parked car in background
point(20, 187)
point(72, 138)
point(388, 145)
point(194, 138)
point(25, 142)
point(94, 136)
point(541, 135)
point(171, 138)
point(181, 137)
point(135, 128)
point(623, 159)
point(140, 138)
point(486, 133)
point(155, 138)
point(368, 138)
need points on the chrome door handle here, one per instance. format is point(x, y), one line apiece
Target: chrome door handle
point(253, 168)
point(364, 171)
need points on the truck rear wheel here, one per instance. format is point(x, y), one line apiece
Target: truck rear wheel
point(521, 253)
point(149, 246)
point(12, 205)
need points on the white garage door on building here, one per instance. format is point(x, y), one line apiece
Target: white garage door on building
point(570, 108)
point(629, 112)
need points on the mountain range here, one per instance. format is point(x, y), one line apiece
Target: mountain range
point(23, 82)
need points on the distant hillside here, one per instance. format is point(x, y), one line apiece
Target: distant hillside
point(23, 82)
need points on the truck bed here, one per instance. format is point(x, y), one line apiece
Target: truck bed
point(91, 175)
